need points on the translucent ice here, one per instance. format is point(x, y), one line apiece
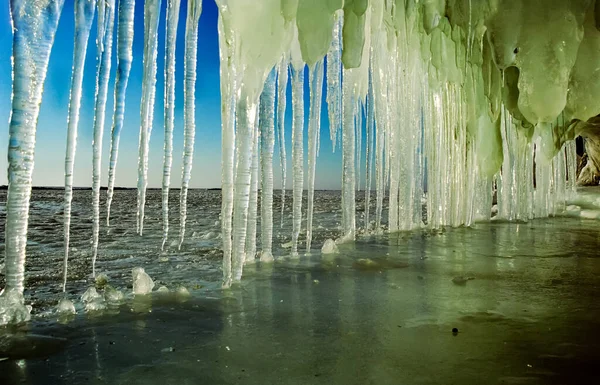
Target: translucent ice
point(12, 308)
point(142, 283)
point(65, 306)
point(329, 247)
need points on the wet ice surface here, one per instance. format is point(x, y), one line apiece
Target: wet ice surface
point(522, 296)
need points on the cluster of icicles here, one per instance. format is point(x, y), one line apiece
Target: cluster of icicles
point(437, 111)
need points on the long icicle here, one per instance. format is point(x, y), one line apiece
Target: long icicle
point(253, 200)
point(282, 81)
point(84, 15)
point(106, 19)
point(124, 59)
point(297, 153)
point(228, 108)
point(267, 127)
point(34, 28)
point(245, 131)
point(314, 128)
point(151, 14)
point(348, 158)
point(194, 11)
point(334, 80)
point(171, 42)
point(369, 149)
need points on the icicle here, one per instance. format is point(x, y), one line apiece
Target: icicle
point(151, 14)
point(369, 148)
point(348, 158)
point(84, 15)
point(359, 123)
point(228, 108)
point(266, 122)
point(34, 26)
point(253, 199)
point(334, 80)
point(244, 141)
point(124, 59)
point(297, 153)
point(191, 52)
point(170, 44)
point(106, 20)
point(314, 128)
point(282, 81)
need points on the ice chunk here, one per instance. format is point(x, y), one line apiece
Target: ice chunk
point(329, 247)
point(142, 283)
point(162, 289)
point(65, 306)
point(101, 280)
point(92, 300)
point(112, 295)
point(12, 308)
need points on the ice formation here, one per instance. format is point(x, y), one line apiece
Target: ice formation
point(142, 283)
point(124, 60)
point(34, 26)
point(171, 40)
point(194, 10)
point(106, 18)
point(267, 135)
point(151, 18)
point(84, 15)
point(456, 99)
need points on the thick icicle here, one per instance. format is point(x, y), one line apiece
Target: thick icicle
point(334, 80)
point(191, 52)
point(348, 158)
point(151, 14)
point(84, 15)
point(171, 42)
point(228, 85)
point(253, 200)
point(34, 26)
point(369, 149)
point(106, 19)
point(244, 142)
point(267, 127)
point(314, 128)
point(282, 81)
point(124, 59)
point(297, 153)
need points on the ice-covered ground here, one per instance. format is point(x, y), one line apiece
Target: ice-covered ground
point(523, 297)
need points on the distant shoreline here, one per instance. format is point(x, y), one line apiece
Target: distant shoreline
point(5, 187)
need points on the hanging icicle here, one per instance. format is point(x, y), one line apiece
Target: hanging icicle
point(124, 59)
point(194, 11)
point(151, 14)
point(106, 19)
point(314, 128)
point(84, 15)
point(267, 135)
point(170, 45)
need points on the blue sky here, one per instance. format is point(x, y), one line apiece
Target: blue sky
point(52, 126)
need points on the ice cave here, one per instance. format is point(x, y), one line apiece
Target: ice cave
point(312, 192)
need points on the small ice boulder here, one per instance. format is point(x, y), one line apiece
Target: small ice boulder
point(101, 280)
point(329, 247)
point(182, 291)
point(142, 283)
point(12, 308)
point(65, 306)
point(162, 289)
point(92, 300)
point(112, 295)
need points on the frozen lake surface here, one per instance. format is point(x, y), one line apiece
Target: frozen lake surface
point(523, 296)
